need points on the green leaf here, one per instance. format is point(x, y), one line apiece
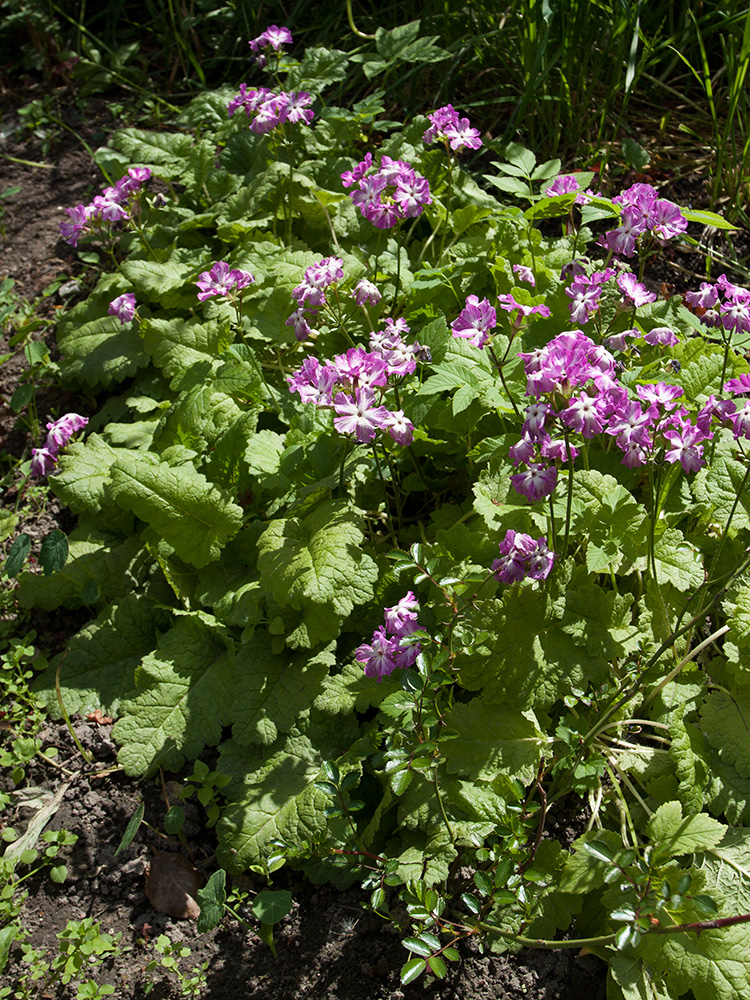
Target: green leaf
point(189, 512)
point(159, 149)
point(711, 965)
point(132, 828)
point(724, 721)
point(98, 668)
point(211, 899)
point(417, 946)
point(96, 348)
point(540, 643)
point(276, 799)
point(95, 557)
point(273, 689)
point(175, 345)
point(412, 970)
point(706, 218)
point(84, 471)
point(676, 835)
point(17, 553)
point(318, 561)
point(492, 739)
point(270, 907)
point(183, 696)
point(54, 552)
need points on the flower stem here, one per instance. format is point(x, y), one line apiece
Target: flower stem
point(385, 493)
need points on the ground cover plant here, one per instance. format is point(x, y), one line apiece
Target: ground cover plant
point(413, 499)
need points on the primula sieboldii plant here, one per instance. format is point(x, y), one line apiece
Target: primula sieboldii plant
point(398, 487)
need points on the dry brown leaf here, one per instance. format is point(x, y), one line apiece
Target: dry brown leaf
point(171, 884)
point(96, 716)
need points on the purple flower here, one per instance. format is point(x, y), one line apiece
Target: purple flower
point(365, 291)
point(359, 416)
point(392, 193)
point(685, 446)
point(475, 321)
point(401, 619)
point(77, 226)
point(220, 280)
point(400, 428)
point(447, 126)
point(525, 274)
point(379, 656)
point(738, 385)
point(740, 420)
point(273, 37)
point(662, 394)
point(43, 461)
point(123, 307)
point(661, 335)
point(537, 482)
point(521, 556)
point(635, 293)
point(60, 431)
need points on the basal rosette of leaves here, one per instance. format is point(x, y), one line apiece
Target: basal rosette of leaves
point(246, 513)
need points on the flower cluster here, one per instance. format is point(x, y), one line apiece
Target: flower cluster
point(448, 127)
point(348, 383)
point(722, 304)
point(310, 293)
point(643, 211)
point(585, 293)
point(268, 110)
point(43, 460)
point(220, 280)
point(477, 318)
point(114, 204)
point(521, 556)
point(388, 194)
point(579, 378)
point(123, 307)
point(567, 184)
point(387, 650)
point(271, 41)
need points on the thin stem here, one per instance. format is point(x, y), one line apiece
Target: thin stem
point(499, 367)
point(441, 807)
point(86, 756)
point(385, 493)
point(569, 503)
point(447, 203)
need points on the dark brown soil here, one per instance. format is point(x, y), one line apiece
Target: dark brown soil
point(329, 947)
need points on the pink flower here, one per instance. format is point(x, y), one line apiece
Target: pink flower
point(738, 385)
point(521, 556)
point(446, 125)
point(537, 482)
point(525, 274)
point(359, 416)
point(43, 461)
point(220, 280)
point(635, 293)
point(123, 307)
point(61, 431)
point(475, 321)
point(661, 335)
point(365, 291)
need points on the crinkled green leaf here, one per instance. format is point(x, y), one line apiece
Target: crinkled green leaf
point(96, 348)
point(271, 689)
point(99, 564)
point(725, 722)
point(492, 739)
point(318, 559)
point(190, 513)
point(184, 694)
point(672, 832)
point(175, 345)
point(711, 965)
point(100, 660)
point(540, 642)
point(277, 798)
